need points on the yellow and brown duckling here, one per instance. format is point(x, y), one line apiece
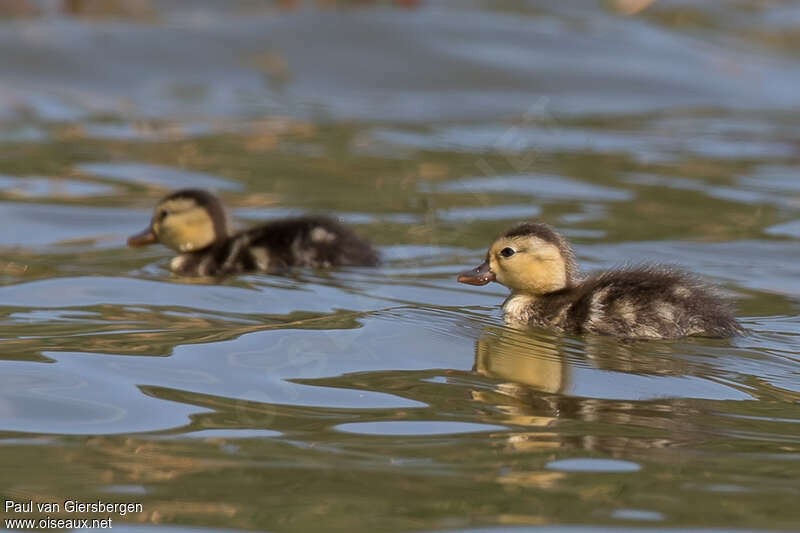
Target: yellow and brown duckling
point(194, 223)
point(539, 267)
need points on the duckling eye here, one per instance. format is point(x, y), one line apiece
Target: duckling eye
point(161, 215)
point(507, 252)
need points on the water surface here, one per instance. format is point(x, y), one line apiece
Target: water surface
point(394, 399)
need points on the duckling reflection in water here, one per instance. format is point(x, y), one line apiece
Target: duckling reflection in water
point(523, 360)
point(538, 265)
point(542, 384)
point(194, 223)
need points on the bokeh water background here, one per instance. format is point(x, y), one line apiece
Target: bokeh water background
point(394, 399)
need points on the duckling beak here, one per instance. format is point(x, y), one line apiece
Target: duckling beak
point(148, 236)
point(480, 275)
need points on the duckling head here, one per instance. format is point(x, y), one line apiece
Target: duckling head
point(529, 258)
point(187, 220)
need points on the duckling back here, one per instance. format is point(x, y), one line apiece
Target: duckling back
point(312, 241)
point(649, 302)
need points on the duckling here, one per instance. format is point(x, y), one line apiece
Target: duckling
point(538, 265)
point(194, 223)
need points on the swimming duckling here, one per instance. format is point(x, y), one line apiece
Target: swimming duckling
point(194, 223)
point(539, 267)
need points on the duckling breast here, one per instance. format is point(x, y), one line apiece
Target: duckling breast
point(522, 310)
point(194, 264)
point(231, 256)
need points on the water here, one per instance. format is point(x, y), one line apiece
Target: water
point(394, 399)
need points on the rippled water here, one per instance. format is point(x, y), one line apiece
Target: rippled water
point(394, 399)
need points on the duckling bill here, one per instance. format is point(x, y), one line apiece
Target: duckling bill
point(194, 223)
point(538, 265)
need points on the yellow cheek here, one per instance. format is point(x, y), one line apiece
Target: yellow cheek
point(518, 272)
point(508, 274)
point(167, 236)
point(497, 268)
point(513, 279)
point(186, 232)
